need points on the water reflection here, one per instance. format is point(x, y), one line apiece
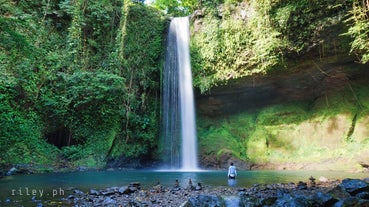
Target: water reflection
point(232, 182)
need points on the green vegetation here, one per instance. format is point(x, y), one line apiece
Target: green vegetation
point(176, 7)
point(233, 39)
point(358, 18)
point(83, 76)
point(80, 80)
point(301, 133)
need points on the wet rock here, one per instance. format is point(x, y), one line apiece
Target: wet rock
point(108, 201)
point(250, 201)
point(363, 195)
point(94, 192)
point(338, 193)
point(82, 168)
point(301, 185)
point(232, 201)
point(323, 199)
point(198, 187)
point(108, 192)
point(205, 201)
point(135, 184)
point(291, 201)
point(351, 202)
point(78, 192)
point(354, 186)
point(124, 190)
point(268, 200)
point(12, 171)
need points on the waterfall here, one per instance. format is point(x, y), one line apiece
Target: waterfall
point(178, 113)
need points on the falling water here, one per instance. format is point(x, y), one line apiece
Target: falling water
point(179, 130)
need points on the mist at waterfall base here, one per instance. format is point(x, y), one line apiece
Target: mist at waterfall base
point(179, 139)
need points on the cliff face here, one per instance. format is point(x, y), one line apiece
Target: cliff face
point(312, 113)
point(313, 116)
point(308, 81)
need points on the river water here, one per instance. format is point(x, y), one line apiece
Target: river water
point(54, 186)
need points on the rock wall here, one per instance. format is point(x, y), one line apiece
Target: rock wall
point(329, 135)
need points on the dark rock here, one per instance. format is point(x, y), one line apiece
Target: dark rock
point(268, 200)
point(348, 202)
point(82, 168)
point(124, 190)
point(108, 201)
point(78, 192)
point(94, 192)
point(291, 201)
point(206, 201)
point(133, 189)
point(198, 187)
point(233, 201)
point(323, 199)
point(301, 186)
point(339, 193)
point(363, 195)
point(250, 201)
point(34, 199)
point(135, 184)
point(12, 171)
point(354, 186)
point(108, 192)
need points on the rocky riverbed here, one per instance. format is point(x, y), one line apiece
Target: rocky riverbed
point(348, 192)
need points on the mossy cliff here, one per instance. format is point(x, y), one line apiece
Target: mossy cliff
point(305, 106)
point(288, 121)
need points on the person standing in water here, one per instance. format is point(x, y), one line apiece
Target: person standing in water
point(232, 172)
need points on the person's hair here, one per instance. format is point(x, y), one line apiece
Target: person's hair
point(231, 163)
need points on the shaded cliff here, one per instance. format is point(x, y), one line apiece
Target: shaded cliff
point(312, 116)
point(309, 81)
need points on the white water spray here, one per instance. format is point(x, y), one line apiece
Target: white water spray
point(177, 85)
point(189, 137)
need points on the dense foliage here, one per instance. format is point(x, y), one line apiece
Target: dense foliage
point(237, 39)
point(176, 7)
point(79, 80)
point(358, 19)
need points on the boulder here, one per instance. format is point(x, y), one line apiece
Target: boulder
point(354, 186)
point(12, 171)
point(352, 202)
point(108, 201)
point(206, 201)
point(323, 199)
point(292, 201)
point(250, 201)
point(232, 201)
point(124, 190)
point(94, 192)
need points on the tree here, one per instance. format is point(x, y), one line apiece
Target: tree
point(359, 29)
point(176, 7)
